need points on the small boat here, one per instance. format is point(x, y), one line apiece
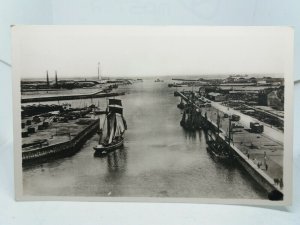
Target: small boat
point(104, 148)
point(114, 125)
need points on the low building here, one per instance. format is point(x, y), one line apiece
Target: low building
point(275, 101)
point(217, 97)
point(202, 91)
point(234, 103)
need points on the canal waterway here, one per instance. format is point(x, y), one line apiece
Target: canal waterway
point(159, 158)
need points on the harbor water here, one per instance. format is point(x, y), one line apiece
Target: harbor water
point(159, 158)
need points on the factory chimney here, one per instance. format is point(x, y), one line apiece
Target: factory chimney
point(99, 75)
point(56, 81)
point(48, 84)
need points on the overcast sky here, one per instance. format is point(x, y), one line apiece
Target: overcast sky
point(147, 51)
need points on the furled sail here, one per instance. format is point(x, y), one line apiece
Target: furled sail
point(115, 109)
point(120, 125)
point(115, 106)
point(124, 122)
point(100, 137)
point(112, 122)
point(113, 101)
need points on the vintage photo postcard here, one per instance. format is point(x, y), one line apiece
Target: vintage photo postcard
point(161, 114)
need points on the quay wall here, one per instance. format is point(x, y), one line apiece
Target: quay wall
point(258, 175)
point(59, 150)
point(266, 182)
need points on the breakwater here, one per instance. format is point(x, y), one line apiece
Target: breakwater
point(71, 97)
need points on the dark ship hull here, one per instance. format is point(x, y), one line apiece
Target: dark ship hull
point(180, 105)
point(218, 150)
point(215, 152)
point(104, 149)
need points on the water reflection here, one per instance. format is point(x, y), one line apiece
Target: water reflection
point(190, 134)
point(117, 161)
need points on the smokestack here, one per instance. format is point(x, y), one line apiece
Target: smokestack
point(48, 84)
point(98, 70)
point(56, 81)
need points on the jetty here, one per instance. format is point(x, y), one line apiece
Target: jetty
point(258, 153)
point(59, 145)
point(98, 94)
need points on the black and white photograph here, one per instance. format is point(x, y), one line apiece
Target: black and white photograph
point(163, 114)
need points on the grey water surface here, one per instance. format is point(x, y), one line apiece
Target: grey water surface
point(159, 158)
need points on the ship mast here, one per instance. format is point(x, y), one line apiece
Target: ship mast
point(230, 138)
point(218, 123)
point(48, 83)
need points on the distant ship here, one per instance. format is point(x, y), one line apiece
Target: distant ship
point(158, 80)
point(190, 118)
point(114, 125)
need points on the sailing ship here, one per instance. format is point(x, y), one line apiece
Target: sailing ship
point(114, 125)
point(187, 120)
point(191, 117)
point(218, 147)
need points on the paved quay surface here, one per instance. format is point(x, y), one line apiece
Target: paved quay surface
point(269, 131)
point(256, 145)
point(57, 132)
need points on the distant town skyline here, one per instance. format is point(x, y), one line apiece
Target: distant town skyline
point(207, 76)
point(75, 51)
